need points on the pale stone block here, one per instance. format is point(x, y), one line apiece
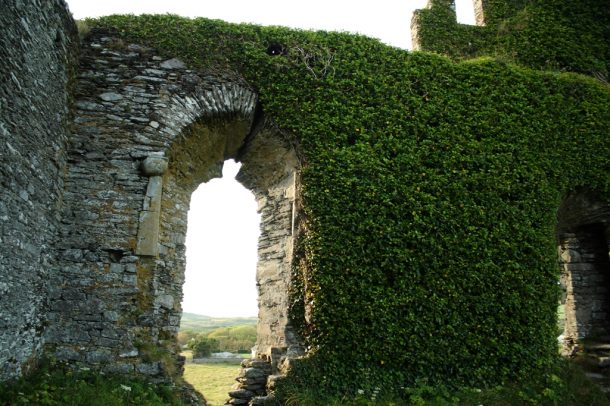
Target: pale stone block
point(154, 165)
point(148, 234)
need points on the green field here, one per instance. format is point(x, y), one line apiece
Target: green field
point(233, 334)
point(214, 381)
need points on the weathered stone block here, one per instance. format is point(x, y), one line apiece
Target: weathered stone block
point(118, 368)
point(172, 64)
point(148, 234)
point(110, 97)
point(149, 368)
point(262, 400)
point(154, 165)
point(68, 354)
point(252, 373)
point(238, 401)
point(241, 394)
point(166, 301)
point(99, 356)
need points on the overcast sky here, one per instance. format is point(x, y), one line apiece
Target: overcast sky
point(223, 223)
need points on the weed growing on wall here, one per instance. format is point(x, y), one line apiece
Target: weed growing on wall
point(430, 190)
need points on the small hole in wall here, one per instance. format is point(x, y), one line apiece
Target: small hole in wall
point(220, 295)
point(115, 255)
point(59, 37)
point(275, 50)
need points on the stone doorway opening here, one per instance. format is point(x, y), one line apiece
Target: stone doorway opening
point(142, 142)
point(583, 248)
point(270, 170)
point(219, 305)
point(585, 282)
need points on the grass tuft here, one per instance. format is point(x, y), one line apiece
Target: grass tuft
point(57, 386)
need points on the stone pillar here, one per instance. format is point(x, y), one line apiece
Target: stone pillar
point(148, 229)
point(479, 14)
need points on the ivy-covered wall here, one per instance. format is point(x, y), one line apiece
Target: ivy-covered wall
point(546, 34)
point(430, 192)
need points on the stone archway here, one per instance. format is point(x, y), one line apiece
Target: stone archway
point(583, 235)
point(146, 132)
point(270, 169)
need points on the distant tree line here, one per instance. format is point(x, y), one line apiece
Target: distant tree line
point(230, 339)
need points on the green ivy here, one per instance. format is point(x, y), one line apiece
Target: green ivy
point(430, 191)
point(548, 34)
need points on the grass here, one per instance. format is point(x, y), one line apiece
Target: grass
point(214, 381)
point(60, 387)
point(57, 386)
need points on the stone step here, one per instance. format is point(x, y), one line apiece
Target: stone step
point(603, 381)
point(596, 346)
point(596, 366)
point(595, 360)
point(603, 362)
point(595, 376)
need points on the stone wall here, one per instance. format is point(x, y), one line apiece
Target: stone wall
point(584, 248)
point(37, 53)
point(270, 169)
point(146, 132)
point(94, 203)
point(586, 280)
point(251, 387)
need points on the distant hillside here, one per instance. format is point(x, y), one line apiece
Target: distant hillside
point(200, 323)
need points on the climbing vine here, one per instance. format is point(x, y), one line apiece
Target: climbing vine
point(550, 34)
point(430, 190)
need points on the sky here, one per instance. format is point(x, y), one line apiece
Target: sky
point(223, 225)
point(221, 248)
